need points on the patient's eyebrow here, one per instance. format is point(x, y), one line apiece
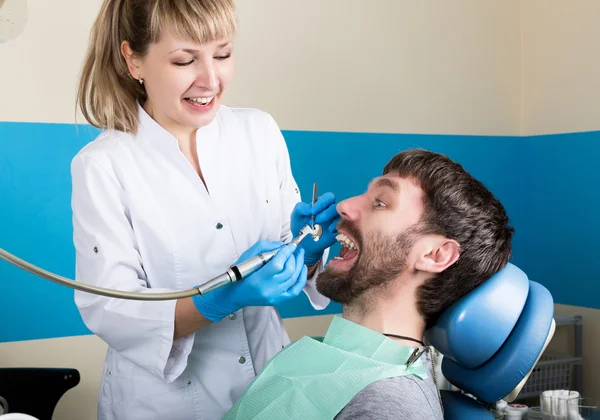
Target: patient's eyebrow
point(385, 182)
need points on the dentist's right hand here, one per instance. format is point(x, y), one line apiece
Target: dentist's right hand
point(280, 279)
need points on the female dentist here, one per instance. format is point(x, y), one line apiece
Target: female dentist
point(176, 189)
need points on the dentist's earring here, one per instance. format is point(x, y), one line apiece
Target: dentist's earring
point(141, 81)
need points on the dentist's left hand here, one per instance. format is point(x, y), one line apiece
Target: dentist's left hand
point(282, 278)
point(325, 210)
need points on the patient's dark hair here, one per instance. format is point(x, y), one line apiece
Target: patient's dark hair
point(459, 207)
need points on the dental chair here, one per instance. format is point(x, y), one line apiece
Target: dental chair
point(33, 393)
point(491, 340)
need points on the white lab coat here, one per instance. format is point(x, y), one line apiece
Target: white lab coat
point(143, 219)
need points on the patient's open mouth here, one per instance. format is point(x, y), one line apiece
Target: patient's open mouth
point(348, 252)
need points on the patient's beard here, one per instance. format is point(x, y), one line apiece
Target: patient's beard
point(381, 260)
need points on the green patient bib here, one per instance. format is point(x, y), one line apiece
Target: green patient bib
point(315, 378)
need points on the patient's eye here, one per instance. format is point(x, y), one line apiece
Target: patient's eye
point(379, 203)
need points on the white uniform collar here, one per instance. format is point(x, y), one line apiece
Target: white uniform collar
point(153, 134)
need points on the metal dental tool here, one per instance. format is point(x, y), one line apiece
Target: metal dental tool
point(234, 273)
point(317, 230)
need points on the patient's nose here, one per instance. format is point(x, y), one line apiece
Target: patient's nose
point(349, 209)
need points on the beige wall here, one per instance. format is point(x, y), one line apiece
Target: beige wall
point(13, 19)
point(39, 69)
point(561, 66)
point(403, 66)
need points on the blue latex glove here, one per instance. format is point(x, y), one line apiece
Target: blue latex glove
point(326, 215)
point(280, 279)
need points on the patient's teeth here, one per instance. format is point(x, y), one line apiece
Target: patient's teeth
point(344, 240)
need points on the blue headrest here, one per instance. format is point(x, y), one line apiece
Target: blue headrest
point(475, 327)
point(492, 338)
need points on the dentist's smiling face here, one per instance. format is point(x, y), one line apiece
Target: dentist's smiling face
point(377, 236)
point(185, 80)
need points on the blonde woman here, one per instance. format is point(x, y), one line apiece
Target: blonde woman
point(177, 188)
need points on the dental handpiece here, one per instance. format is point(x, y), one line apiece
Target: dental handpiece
point(244, 269)
point(235, 273)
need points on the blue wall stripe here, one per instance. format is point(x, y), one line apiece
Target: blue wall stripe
point(560, 205)
point(533, 177)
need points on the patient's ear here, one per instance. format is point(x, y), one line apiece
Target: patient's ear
point(437, 253)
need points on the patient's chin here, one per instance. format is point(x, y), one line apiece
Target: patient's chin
point(336, 284)
point(330, 274)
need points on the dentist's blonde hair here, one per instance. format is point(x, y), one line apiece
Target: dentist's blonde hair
point(107, 93)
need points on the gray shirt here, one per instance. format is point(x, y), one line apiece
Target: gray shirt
point(402, 397)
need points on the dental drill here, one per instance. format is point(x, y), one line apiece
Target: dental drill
point(245, 268)
point(234, 273)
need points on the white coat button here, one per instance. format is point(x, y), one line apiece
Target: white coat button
point(219, 226)
point(242, 360)
point(232, 316)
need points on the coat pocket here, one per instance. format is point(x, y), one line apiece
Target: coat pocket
point(131, 393)
point(135, 399)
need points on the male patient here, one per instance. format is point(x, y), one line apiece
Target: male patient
point(422, 235)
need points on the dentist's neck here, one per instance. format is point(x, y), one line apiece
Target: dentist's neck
point(388, 312)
